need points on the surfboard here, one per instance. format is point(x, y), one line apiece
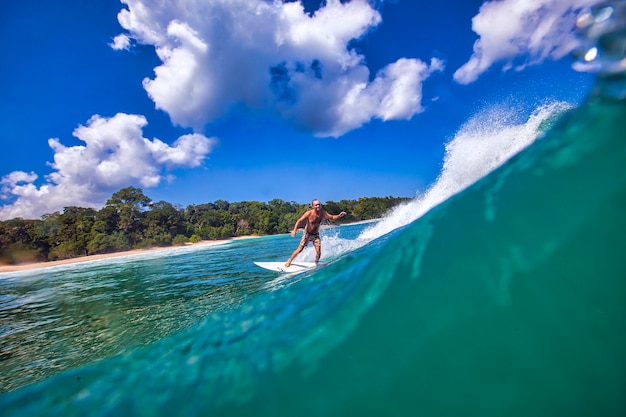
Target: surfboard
point(295, 267)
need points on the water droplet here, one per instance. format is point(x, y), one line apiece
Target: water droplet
point(591, 54)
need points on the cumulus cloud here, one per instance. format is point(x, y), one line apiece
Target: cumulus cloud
point(120, 42)
point(115, 155)
point(220, 54)
point(518, 33)
point(395, 94)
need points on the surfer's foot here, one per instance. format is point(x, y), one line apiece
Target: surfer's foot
point(287, 264)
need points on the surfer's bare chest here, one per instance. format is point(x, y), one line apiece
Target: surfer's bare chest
point(314, 219)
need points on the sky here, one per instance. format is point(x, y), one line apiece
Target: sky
point(195, 101)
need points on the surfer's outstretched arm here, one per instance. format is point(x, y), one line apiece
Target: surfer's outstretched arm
point(334, 216)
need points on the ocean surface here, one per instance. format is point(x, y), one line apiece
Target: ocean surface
point(499, 291)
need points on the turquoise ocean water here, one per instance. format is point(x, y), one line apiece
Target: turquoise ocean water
point(499, 291)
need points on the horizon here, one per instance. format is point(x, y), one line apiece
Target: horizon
point(178, 206)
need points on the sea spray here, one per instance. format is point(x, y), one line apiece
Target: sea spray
point(482, 144)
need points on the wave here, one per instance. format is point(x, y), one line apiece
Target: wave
point(482, 144)
point(500, 291)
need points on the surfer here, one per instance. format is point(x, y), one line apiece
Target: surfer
point(311, 233)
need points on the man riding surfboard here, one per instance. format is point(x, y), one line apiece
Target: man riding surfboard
point(311, 233)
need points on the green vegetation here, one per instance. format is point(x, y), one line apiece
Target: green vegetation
point(130, 220)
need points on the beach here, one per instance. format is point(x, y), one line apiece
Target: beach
point(35, 265)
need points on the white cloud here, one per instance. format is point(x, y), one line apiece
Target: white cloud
point(188, 150)
point(395, 94)
point(115, 155)
point(17, 177)
point(120, 42)
point(219, 54)
point(518, 33)
point(14, 180)
point(402, 83)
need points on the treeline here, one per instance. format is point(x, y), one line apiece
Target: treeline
point(131, 220)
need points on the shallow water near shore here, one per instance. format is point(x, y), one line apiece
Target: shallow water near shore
point(76, 313)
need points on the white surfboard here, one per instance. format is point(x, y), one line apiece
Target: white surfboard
point(295, 267)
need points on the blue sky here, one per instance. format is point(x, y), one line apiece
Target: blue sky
point(200, 100)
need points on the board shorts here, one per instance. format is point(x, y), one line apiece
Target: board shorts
point(311, 237)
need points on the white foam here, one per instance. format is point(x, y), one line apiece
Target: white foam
point(481, 145)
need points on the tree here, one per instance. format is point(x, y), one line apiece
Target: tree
point(129, 196)
point(161, 221)
point(74, 233)
point(221, 204)
point(129, 203)
point(16, 243)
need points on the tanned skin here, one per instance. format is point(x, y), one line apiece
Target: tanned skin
point(313, 219)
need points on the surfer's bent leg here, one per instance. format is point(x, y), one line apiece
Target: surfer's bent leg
point(293, 255)
point(303, 242)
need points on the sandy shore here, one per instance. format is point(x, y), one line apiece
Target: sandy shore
point(35, 265)
point(23, 267)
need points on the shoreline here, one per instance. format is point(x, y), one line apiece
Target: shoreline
point(37, 265)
